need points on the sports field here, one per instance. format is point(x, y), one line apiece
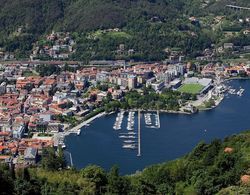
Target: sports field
point(191, 88)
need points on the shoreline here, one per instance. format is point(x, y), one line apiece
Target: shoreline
point(217, 103)
point(161, 111)
point(78, 128)
point(85, 123)
point(236, 78)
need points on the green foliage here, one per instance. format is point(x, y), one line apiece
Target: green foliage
point(67, 119)
point(96, 175)
point(207, 170)
point(6, 180)
point(146, 26)
point(116, 183)
point(167, 100)
point(47, 70)
point(94, 113)
point(209, 104)
point(52, 160)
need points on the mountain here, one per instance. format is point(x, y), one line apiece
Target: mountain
point(80, 15)
point(153, 25)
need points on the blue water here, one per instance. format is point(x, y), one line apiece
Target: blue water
point(99, 144)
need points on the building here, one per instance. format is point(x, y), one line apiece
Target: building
point(166, 76)
point(102, 76)
point(175, 84)
point(132, 81)
point(228, 45)
point(19, 132)
point(157, 86)
point(3, 88)
point(30, 155)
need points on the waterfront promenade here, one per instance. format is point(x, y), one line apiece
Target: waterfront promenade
point(84, 123)
point(59, 137)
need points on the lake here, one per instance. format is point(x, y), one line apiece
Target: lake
point(100, 144)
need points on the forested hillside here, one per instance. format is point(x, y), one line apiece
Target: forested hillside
point(148, 26)
point(221, 167)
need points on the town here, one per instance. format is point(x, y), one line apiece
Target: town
point(42, 103)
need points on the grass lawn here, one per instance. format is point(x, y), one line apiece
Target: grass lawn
point(191, 88)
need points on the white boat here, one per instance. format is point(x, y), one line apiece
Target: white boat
point(63, 146)
point(79, 132)
point(240, 92)
point(129, 146)
point(128, 133)
point(127, 136)
point(131, 133)
point(129, 141)
point(118, 121)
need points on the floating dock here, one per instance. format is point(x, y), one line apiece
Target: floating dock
point(139, 134)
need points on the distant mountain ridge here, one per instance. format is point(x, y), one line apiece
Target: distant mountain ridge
point(153, 25)
point(80, 15)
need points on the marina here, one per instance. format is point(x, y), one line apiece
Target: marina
point(131, 118)
point(233, 91)
point(118, 121)
point(177, 135)
point(148, 120)
point(155, 123)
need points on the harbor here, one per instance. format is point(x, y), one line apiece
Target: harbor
point(152, 120)
point(129, 137)
point(235, 92)
point(131, 134)
point(178, 133)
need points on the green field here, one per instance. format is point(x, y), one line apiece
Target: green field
point(191, 88)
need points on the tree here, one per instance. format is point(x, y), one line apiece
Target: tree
point(6, 180)
point(51, 160)
point(116, 183)
point(96, 175)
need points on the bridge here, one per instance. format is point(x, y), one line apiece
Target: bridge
point(235, 7)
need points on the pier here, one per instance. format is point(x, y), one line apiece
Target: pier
point(139, 133)
point(158, 118)
point(59, 137)
point(84, 123)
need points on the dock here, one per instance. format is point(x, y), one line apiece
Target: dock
point(59, 137)
point(158, 118)
point(84, 123)
point(139, 134)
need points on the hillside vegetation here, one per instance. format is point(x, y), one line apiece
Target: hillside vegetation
point(152, 25)
point(215, 168)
